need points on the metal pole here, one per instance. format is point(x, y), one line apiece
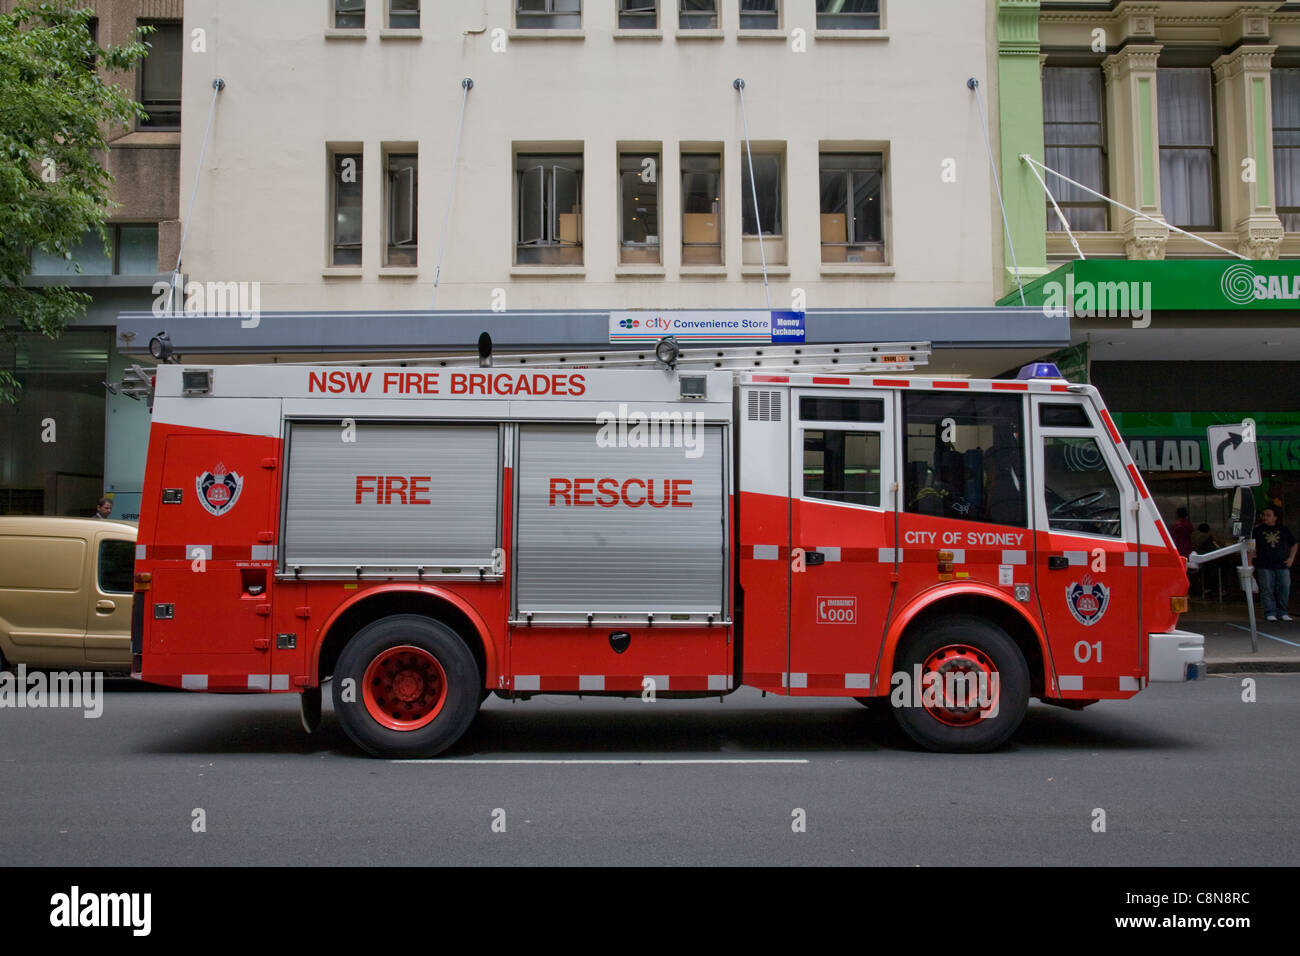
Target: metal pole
point(974, 86)
point(217, 86)
point(739, 86)
point(1247, 576)
point(466, 84)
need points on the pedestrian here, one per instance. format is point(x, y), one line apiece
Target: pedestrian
point(1275, 549)
point(1203, 540)
point(105, 508)
point(1182, 532)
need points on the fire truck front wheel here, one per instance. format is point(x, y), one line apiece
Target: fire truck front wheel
point(973, 685)
point(406, 686)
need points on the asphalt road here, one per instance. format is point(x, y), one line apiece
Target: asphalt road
point(1186, 775)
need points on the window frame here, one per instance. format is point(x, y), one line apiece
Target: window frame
point(636, 15)
point(389, 12)
point(686, 17)
point(549, 217)
point(114, 230)
point(1284, 212)
point(849, 173)
point(719, 214)
point(1212, 149)
point(1053, 224)
point(391, 154)
point(770, 19)
point(149, 124)
point(747, 202)
point(637, 158)
point(882, 428)
point(335, 156)
point(841, 21)
point(336, 12)
point(547, 17)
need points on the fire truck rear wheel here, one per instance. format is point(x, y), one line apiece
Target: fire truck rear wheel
point(414, 687)
point(984, 712)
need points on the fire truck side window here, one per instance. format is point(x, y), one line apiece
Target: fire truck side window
point(1082, 497)
point(842, 466)
point(965, 457)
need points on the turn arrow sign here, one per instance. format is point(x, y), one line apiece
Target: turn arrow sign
point(1233, 439)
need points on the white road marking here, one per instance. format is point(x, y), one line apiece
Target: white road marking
point(632, 761)
point(1280, 640)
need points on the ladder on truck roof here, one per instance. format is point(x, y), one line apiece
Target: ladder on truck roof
point(137, 382)
point(668, 353)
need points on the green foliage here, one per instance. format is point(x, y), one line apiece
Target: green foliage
point(55, 114)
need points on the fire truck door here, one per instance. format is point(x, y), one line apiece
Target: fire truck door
point(1088, 566)
point(843, 521)
point(214, 552)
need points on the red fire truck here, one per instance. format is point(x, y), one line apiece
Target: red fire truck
point(425, 535)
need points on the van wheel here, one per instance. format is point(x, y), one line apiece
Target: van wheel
point(980, 690)
point(406, 686)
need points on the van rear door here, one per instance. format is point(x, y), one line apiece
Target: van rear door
point(108, 620)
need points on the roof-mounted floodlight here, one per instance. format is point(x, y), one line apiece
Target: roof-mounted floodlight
point(160, 347)
point(668, 351)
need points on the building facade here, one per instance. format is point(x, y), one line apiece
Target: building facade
point(604, 159)
point(97, 436)
point(1183, 289)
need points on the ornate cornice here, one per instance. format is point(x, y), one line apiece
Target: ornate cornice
point(1017, 27)
point(1256, 58)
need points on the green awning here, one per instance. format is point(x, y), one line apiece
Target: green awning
point(1096, 285)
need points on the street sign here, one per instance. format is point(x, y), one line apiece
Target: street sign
point(1234, 458)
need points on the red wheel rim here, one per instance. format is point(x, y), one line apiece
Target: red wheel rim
point(404, 688)
point(959, 695)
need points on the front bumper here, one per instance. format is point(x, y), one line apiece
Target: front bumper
point(1176, 656)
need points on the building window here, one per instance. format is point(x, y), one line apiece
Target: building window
point(1286, 146)
point(1187, 148)
point(349, 14)
point(402, 200)
point(345, 174)
point(759, 15)
point(549, 197)
point(160, 76)
point(132, 250)
point(1075, 144)
point(92, 55)
point(548, 14)
point(404, 14)
point(767, 179)
point(638, 14)
point(638, 179)
point(698, 15)
point(848, 14)
point(852, 224)
point(701, 209)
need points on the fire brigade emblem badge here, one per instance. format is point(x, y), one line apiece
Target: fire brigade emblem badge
point(1087, 600)
point(219, 489)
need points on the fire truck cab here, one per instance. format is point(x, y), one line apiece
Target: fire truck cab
point(425, 536)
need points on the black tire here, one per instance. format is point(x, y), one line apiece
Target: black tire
point(983, 639)
point(430, 644)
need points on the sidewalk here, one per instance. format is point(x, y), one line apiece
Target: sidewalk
point(1226, 628)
